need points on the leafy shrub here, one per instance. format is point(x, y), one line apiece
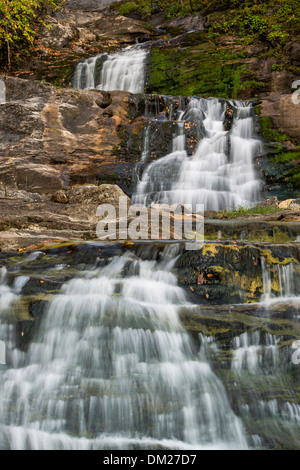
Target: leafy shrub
point(256, 23)
point(128, 8)
point(277, 35)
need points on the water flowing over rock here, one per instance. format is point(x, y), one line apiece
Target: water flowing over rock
point(220, 174)
point(135, 345)
point(103, 335)
point(120, 357)
point(120, 71)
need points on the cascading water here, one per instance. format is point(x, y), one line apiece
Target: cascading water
point(287, 282)
point(110, 365)
point(220, 174)
point(262, 368)
point(122, 71)
point(112, 368)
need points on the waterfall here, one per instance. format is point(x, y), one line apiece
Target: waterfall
point(252, 352)
point(285, 278)
point(220, 174)
point(111, 367)
point(122, 71)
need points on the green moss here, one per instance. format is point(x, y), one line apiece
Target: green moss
point(269, 132)
point(252, 84)
point(195, 70)
point(271, 259)
point(242, 211)
point(286, 157)
point(284, 167)
point(295, 179)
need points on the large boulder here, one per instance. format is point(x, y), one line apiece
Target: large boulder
point(90, 194)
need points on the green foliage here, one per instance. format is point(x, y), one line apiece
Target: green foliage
point(17, 21)
point(140, 6)
point(170, 9)
point(277, 35)
point(295, 180)
point(275, 21)
point(128, 8)
point(255, 23)
point(277, 67)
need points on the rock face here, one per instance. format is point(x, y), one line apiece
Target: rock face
point(52, 139)
point(79, 28)
point(230, 272)
point(88, 5)
point(59, 152)
point(285, 113)
point(31, 219)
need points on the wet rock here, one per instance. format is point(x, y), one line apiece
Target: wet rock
point(227, 321)
point(295, 204)
point(231, 272)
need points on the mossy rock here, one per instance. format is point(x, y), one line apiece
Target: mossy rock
point(194, 66)
point(229, 273)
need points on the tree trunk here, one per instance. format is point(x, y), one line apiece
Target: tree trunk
point(8, 55)
point(8, 49)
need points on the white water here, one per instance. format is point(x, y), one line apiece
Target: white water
point(124, 71)
point(287, 280)
point(112, 367)
point(220, 174)
point(254, 353)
